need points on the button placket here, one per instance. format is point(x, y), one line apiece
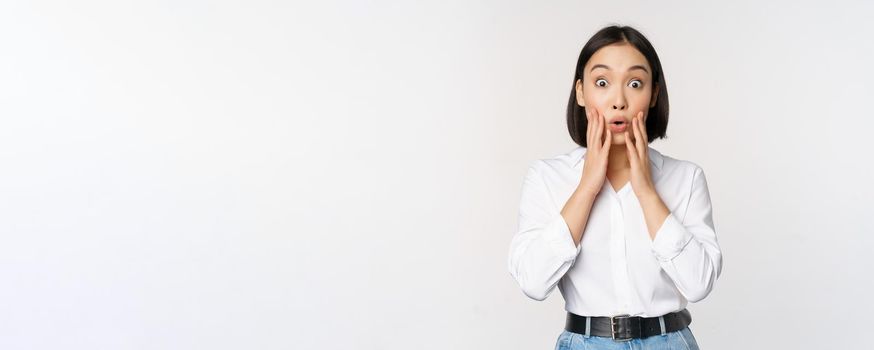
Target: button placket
point(618, 255)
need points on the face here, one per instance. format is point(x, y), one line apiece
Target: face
point(617, 82)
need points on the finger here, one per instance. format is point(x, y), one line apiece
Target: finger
point(600, 128)
point(588, 129)
point(608, 141)
point(636, 125)
point(630, 149)
point(643, 127)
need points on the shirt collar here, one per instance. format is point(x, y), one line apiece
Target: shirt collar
point(655, 157)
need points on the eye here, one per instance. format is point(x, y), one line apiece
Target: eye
point(635, 83)
point(598, 82)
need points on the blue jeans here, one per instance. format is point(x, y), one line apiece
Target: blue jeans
point(677, 340)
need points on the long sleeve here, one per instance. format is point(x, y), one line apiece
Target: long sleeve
point(688, 251)
point(542, 250)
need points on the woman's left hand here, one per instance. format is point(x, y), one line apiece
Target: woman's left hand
point(638, 156)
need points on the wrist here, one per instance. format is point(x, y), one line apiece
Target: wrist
point(648, 195)
point(587, 191)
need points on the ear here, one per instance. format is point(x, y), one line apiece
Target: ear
point(655, 95)
point(579, 92)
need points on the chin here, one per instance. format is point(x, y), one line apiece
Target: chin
point(618, 139)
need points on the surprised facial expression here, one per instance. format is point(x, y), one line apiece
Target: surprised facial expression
point(617, 82)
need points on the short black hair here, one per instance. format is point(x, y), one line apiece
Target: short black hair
point(657, 116)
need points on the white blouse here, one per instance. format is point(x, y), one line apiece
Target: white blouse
point(617, 268)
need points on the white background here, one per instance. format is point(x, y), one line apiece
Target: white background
point(346, 175)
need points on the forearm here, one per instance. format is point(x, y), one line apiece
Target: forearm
point(576, 212)
point(654, 211)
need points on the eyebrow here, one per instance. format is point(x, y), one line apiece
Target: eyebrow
point(629, 69)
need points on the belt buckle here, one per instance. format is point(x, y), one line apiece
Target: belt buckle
point(613, 327)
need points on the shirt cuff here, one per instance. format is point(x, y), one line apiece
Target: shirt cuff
point(670, 239)
point(559, 238)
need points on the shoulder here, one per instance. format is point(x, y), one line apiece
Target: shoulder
point(677, 163)
point(681, 169)
point(558, 172)
point(558, 163)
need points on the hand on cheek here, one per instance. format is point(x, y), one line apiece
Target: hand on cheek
point(638, 157)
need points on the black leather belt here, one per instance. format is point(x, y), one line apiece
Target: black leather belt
point(625, 327)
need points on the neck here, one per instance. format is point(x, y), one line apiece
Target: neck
point(617, 161)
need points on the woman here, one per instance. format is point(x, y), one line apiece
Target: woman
point(625, 232)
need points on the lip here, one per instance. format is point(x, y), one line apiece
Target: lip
point(618, 128)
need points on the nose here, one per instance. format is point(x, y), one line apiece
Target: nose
point(619, 102)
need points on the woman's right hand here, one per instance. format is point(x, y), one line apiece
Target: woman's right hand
point(598, 149)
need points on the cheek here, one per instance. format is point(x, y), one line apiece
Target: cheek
point(640, 102)
point(595, 99)
point(598, 96)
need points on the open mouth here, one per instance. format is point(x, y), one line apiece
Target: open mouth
point(618, 126)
